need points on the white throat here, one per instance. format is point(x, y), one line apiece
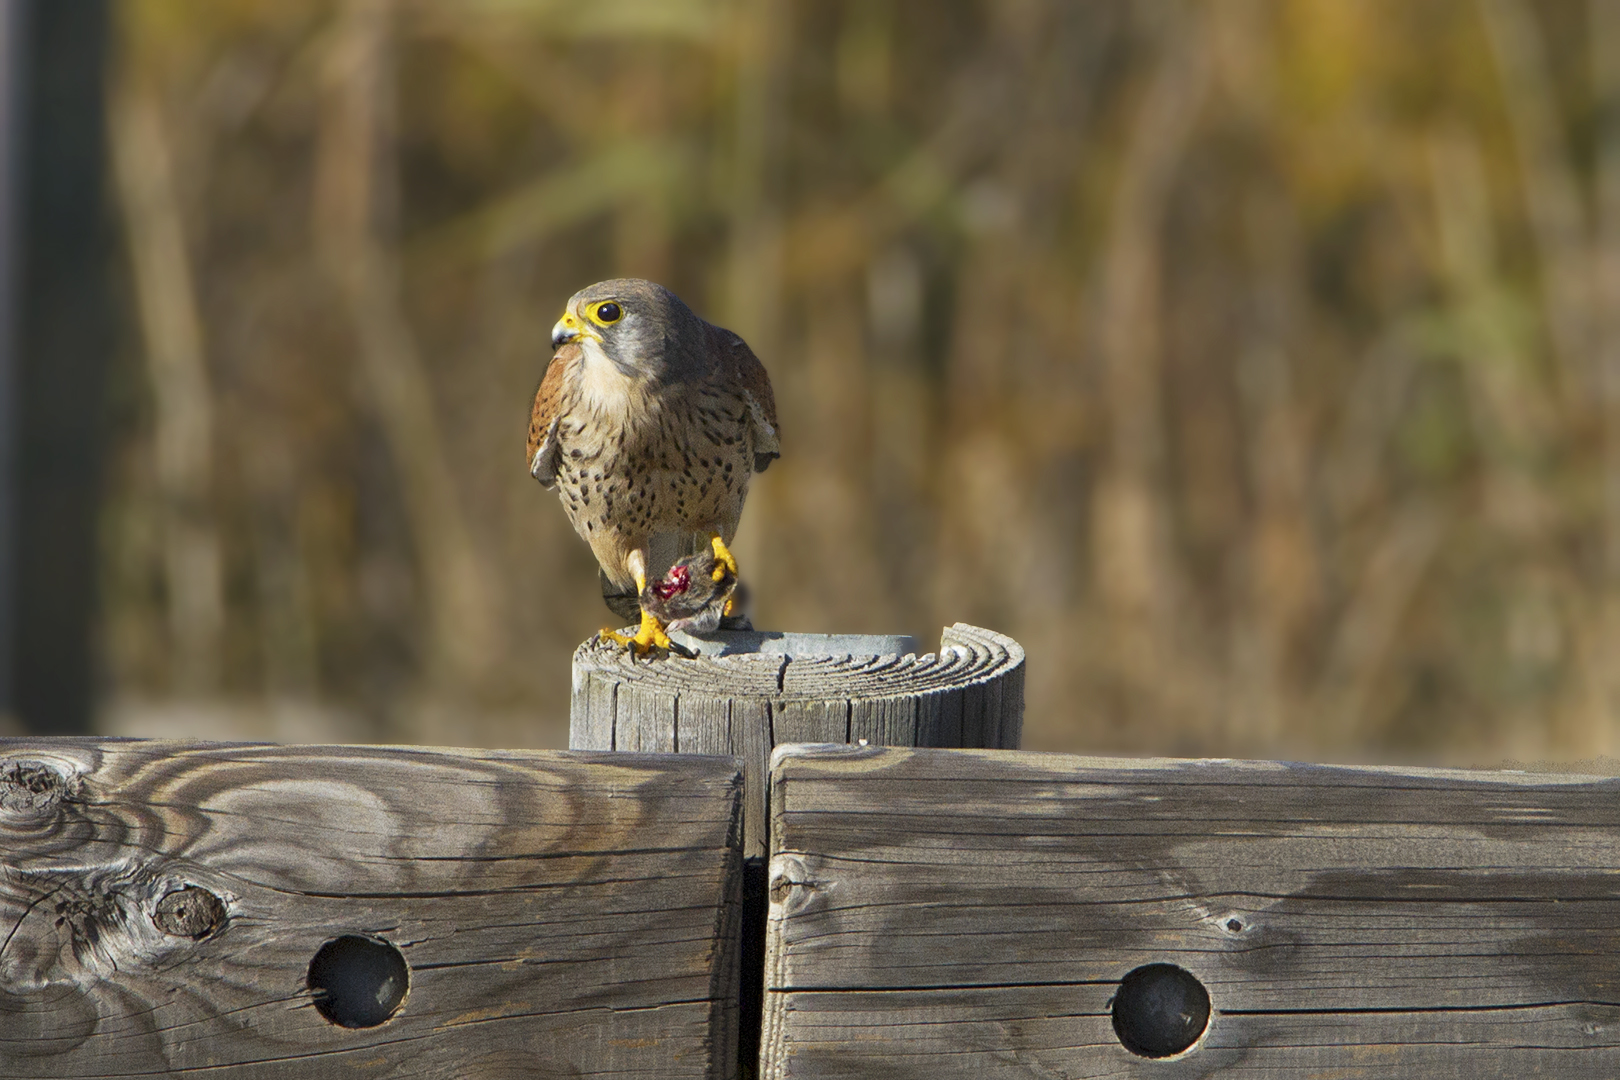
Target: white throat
point(605, 386)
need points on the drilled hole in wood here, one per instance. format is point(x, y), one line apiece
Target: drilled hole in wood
point(1160, 1010)
point(357, 981)
point(189, 912)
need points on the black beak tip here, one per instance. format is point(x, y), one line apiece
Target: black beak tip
point(559, 338)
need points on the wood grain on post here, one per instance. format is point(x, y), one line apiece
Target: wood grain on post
point(751, 692)
point(940, 915)
point(162, 906)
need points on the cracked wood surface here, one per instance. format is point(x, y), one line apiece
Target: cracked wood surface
point(941, 915)
point(563, 914)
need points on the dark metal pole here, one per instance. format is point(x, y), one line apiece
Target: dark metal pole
point(12, 31)
point(63, 335)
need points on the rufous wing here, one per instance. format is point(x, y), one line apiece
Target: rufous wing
point(544, 415)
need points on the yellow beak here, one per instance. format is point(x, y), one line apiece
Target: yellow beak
point(570, 328)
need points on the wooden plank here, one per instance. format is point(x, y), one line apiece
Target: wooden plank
point(1010, 716)
point(562, 914)
point(948, 914)
point(978, 725)
point(880, 721)
point(751, 737)
point(810, 721)
point(1022, 1032)
point(939, 719)
point(593, 705)
point(705, 724)
point(646, 718)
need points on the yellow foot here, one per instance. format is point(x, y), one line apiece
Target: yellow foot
point(649, 636)
point(723, 556)
point(724, 561)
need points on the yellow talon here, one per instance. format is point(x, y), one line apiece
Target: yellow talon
point(724, 557)
point(648, 636)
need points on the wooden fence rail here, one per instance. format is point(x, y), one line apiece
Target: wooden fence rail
point(945, 914)
point(252, 911)
point(241, 911)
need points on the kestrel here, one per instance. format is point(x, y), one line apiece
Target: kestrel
point(649, 424)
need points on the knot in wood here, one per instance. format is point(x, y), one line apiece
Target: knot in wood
point(780, 888)
point(190, 912)
point(792, 885)
point(30, 788)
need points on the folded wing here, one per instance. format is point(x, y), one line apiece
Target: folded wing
point(543, 418)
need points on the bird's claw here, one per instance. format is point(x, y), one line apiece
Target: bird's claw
point(725, 562)
point(723, 558)
point(649, 635)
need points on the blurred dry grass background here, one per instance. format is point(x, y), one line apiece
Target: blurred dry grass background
point(1256, 364)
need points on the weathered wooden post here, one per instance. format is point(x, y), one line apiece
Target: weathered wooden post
point(748, 692)
point(751, 691)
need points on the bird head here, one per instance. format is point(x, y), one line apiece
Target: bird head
point(636, 325)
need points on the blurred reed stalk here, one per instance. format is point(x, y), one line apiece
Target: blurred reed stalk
point(1570, 250)
point(1552, 193)
point(1604, 673)
point(355, 212)
point(1281, 572)
point(751, 299)
point(1510, 411)
point(1138, 576)
point(182, 398)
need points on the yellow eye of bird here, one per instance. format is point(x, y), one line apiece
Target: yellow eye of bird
point(607, 313)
